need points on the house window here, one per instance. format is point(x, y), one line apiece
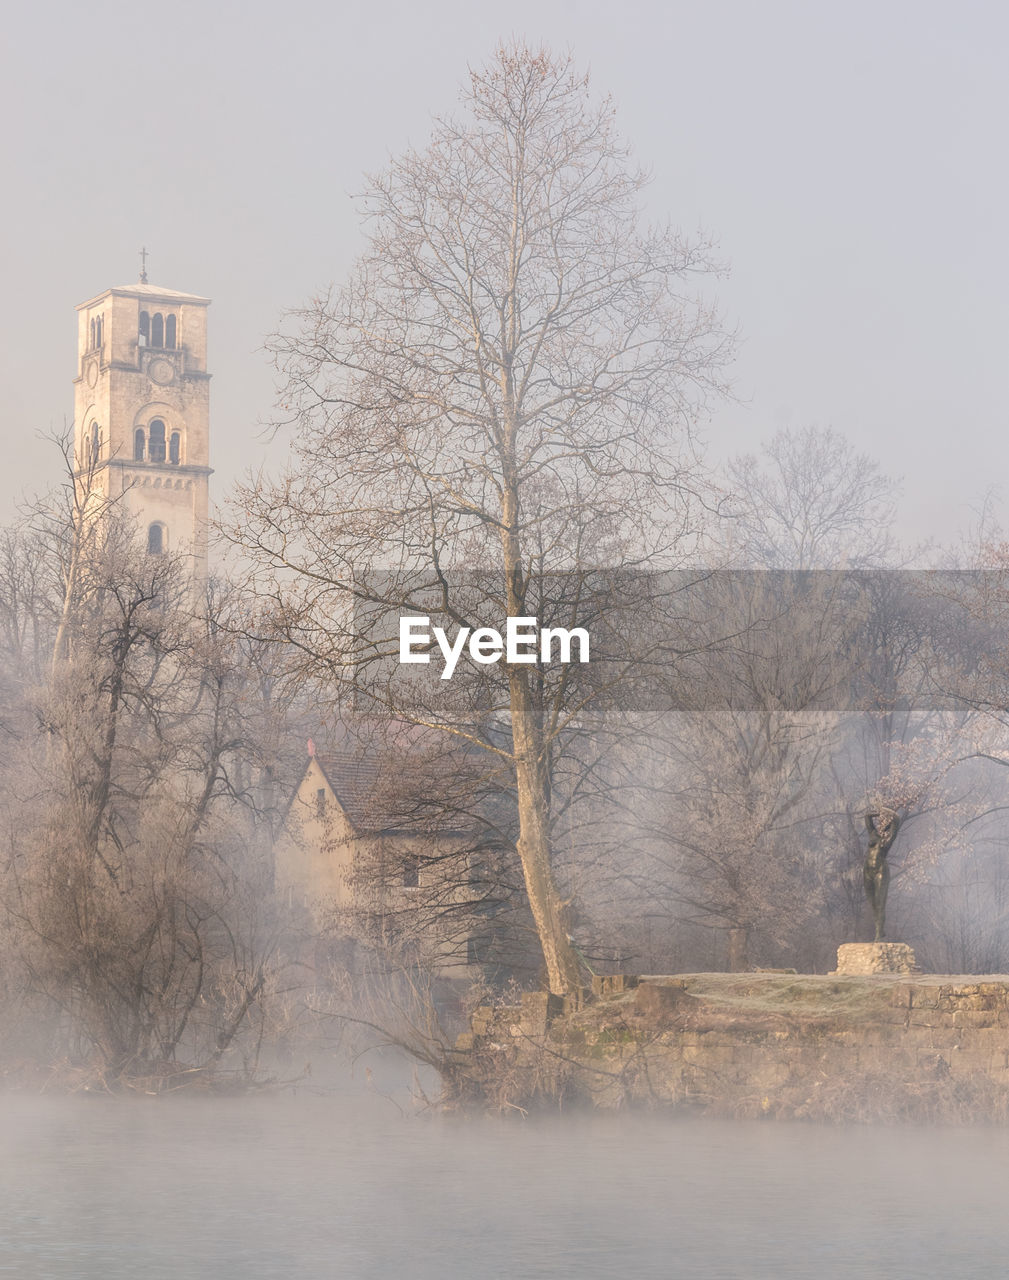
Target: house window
point(156, 540)
point(411, 871)
point(156, 441)
point(173, 449)
point(320, 803)
point(139, 440)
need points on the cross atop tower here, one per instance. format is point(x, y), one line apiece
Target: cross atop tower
point(143, 264)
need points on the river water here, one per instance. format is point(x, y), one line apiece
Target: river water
point(348, 1183)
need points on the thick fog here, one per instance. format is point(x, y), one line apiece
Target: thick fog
point(255, 899)
point(322, 1186)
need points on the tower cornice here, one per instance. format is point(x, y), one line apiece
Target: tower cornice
point(149, 292)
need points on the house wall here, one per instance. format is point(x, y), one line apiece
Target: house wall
point(314, 856)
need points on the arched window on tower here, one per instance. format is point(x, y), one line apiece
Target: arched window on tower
point(139, 440)
point(156, 441)
point(170, 326)
point(156, 540)
point(93, 342)
point(158, 330)
point(96, 442)
point(99, 326)
point(145, 329)
point(174, 444)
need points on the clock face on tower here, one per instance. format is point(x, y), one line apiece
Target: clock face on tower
point(92, 373)
point(161, 371)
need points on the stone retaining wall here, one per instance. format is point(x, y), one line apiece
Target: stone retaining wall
point(760, 1044)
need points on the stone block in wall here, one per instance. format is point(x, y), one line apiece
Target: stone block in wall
point(538, 1010)
point(863, 959)
point(481, 1020)
point(613, 984)
point(658, 1001)
point(975, 1018)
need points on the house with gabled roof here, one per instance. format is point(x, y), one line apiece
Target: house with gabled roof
point(364, 850)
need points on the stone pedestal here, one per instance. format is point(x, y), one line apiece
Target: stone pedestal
point(863, 958)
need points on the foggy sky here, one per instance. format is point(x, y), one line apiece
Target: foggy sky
point(850, 158)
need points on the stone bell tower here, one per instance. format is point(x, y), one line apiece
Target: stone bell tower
point(142, 411)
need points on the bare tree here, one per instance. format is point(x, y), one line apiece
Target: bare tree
point(73, 524)
point(730, 789)
point(508, 384)
point(130, 898)
point(816, 685)
point(810, 501)
point(965, 902)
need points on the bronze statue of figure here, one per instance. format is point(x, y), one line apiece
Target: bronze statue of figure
point(882, 829)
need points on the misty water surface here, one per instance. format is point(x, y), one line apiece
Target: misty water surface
point(343, 1184)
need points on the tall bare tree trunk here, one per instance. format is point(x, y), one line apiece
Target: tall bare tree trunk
point(532, 786)
point(532, 783)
